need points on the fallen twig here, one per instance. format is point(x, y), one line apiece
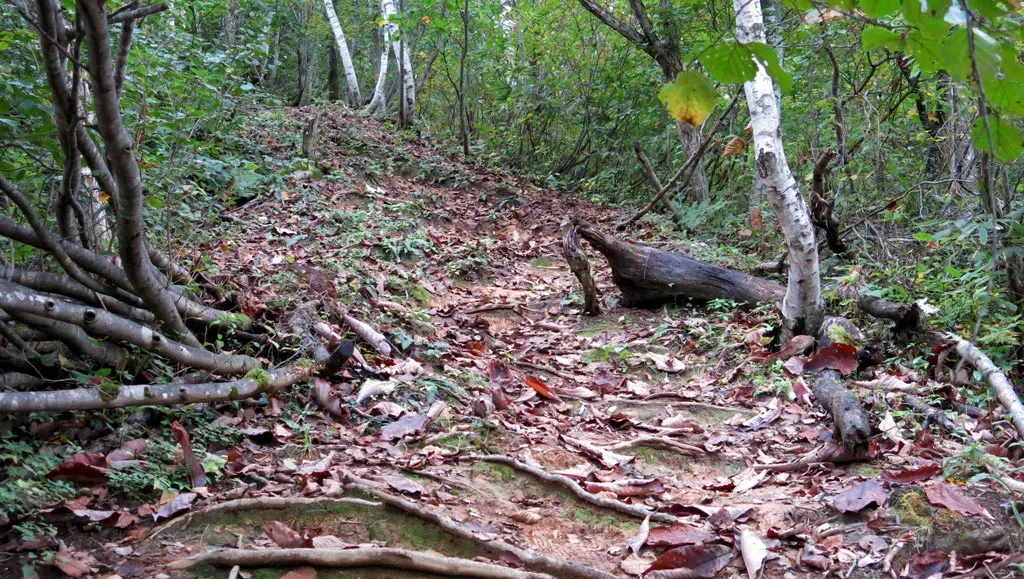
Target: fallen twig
point(826, 455)
point(255, 504)
point(997, 380)
point(659, 442)
point(530, 559)
point(361, 557)
point(930, 414)
point(636, 511)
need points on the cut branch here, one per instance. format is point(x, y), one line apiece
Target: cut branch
point(580, 266)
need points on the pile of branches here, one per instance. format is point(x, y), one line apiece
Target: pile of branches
point(76, 299)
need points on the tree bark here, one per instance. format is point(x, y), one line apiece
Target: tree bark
point(379, 102)
point(352, 96)
point(803, 309)
point(649, 277)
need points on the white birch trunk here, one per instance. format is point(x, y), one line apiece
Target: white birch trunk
point(378, 103)
point(408, 79)
point(803, 309)
point(352, 96)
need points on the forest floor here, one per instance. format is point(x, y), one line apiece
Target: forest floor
point(668, 409)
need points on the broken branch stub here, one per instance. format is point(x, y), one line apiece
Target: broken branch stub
point(580, 266)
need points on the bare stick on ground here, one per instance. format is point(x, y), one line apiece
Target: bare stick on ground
point(361, 557)
point(635, 511)
point(852, 424)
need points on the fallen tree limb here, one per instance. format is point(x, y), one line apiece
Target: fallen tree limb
point(361, 557)
point(256, 504)
point(931, 414)
point(851, 423)
point(648, 276)
point(151, 394)
point(635, 511)
point(368, 334)
point(529, 558)
point(997, 380)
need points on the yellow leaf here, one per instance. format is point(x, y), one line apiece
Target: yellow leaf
point(689, 99)
point(426, 20)
point(104, 196)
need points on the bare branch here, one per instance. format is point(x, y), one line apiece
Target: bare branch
point(134, 14)
point(614, 23)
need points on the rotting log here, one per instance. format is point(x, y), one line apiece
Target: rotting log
point(648, 276)
point(851, 422)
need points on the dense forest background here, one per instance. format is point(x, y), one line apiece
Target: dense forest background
point(548, 90)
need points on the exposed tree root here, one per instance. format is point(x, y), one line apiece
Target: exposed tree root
point(255, 504)
point(151, 394)
point(659, 442)
point(635, 511)
point(361, 557)
point(530, 559)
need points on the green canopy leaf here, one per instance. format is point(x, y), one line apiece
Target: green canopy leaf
point(691, 98)
point(729, 62)
point(877, 37)
point(1007, 140)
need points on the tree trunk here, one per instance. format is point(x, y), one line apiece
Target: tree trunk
point(379, 102)
point(773, 30)
point(408, 79)
point(803, 309)
point(689, 136)
point(303, 73)
point(333, 80)
point(463, 118)
point(352, 96)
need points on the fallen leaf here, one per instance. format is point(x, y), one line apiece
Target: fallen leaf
point(541, 388)
point(300, 573)
point(677, 535)
point(328, 542)
point(859, 496)
point(754, 552)
point(195, 468)
point(176, 505)
point(371, 388)
point(735, 146)
point(703, 560)
point(284, 536)
point(84, 467)
point(943, 494)
point(928, 564)
point(836, 356)
point(405, 486)
point(94, 516)
point(404, 426)
point(913, 475)
point(70, 565)
point(633, 565)
point(627, 487)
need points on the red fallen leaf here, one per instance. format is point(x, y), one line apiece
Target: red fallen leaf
point(284, 536)
point(195, 468)
point(836, 356)
point(860, 496)
point(404, 426)
point(179, 504)
point(70, 565)
point(797, 345)
point(677, 535)
point(756, 219)
point(476, 348)
point(499, 373)
point(85, 468)
point(930, 564)
point(943, 494)
point(301, 573)
point(541, 388)
point(923, 472)
point(703, 560)
point(606, 382)
point(627, 487)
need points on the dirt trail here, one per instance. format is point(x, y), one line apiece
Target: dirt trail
point(661, 408)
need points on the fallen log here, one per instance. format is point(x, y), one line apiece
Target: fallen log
point(580, 266)
point(648, 276)
point(851, 423)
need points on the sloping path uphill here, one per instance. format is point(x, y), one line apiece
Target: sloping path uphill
point(507, 435)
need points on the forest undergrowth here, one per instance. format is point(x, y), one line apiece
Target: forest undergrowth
point(502, 426)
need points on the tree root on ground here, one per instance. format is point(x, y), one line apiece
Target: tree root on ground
point(255, 504)
point(659, 442)
point(361, 557)
point(529, 558)
point(635, 511)
point(826, 455)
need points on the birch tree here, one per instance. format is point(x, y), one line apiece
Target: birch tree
point(407, 86)
point(803, 309)
point(352, 96)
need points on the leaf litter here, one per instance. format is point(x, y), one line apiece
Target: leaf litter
point(460, 270)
